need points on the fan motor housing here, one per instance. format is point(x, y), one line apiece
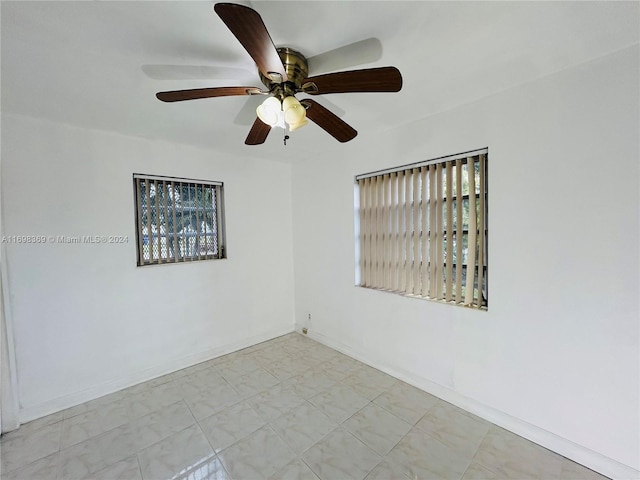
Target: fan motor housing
point(296, 68)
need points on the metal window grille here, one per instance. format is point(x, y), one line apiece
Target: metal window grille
point(178, 220)
point(422, 229)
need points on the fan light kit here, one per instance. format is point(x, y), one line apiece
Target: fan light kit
point(275, 113)
point(284, 72)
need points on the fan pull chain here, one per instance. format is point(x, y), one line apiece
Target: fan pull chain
point(286, 137)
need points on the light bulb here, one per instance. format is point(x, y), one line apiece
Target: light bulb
point(269, 111)
point(280, 122)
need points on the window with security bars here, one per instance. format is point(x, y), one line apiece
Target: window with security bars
point(422, 229)
point(178, 220)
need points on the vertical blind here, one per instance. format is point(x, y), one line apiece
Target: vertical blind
point(423, 231)
point(178, 220)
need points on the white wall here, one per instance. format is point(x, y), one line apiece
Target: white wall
point(86, 320)
point(555, 358)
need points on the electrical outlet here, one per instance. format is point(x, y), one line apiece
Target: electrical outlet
point(309, 316)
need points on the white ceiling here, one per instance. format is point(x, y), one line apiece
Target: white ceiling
point(98, 64)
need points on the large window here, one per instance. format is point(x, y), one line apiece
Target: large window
point(178, 220)
point(422, 229)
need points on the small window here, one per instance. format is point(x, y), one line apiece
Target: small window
point(178, 220)
point(422, 229)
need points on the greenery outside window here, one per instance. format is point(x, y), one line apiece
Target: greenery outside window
point(178, 220)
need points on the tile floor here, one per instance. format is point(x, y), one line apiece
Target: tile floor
point(289, 408)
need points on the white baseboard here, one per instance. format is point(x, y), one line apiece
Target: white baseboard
point(58, 404)
point(579, 454)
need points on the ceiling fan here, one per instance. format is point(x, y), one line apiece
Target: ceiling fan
point(284, 71)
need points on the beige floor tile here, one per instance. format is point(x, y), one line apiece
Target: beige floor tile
point(92, 455)
point(377, 428)
point(512, 456)
point(258, 456)
point(296, 470)
point(478, 472)
point(127, 469)
point(207, 377)
point(205, 402)
point(99, 452)
point(303, 426)
point(369, 382)
point(340, 455)
point(454, 428)
point(252, 383)
point(236, 366)
point(230, 425)
point(43, 469)
point(186, 454)
point(153, 399)
point(282, 409)
point(93, 404)
point(30, 427)
point(386, 471)
point(160, 424)
point(93, 422)
point(406, 402)
point(574, 471)
point(310, 383)
point(25, 449)
point(421, 456)
point(339, 402)
point(287, 367)
point(275, 401)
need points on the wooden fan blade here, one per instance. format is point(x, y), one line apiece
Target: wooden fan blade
point(382, 79)
point(247, 26)
point(180, 95)
point(258, 133)
point(335, 127)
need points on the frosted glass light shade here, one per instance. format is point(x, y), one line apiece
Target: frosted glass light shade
point(295, 126)
point(294, 112)
point(269, 111)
